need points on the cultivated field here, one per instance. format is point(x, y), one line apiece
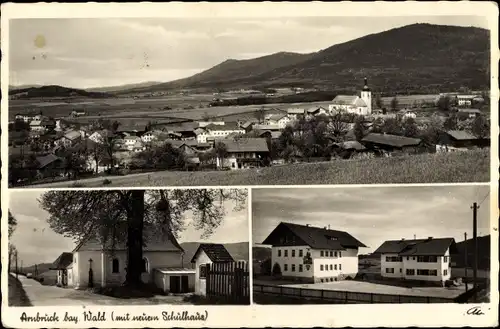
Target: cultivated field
point(471, 166)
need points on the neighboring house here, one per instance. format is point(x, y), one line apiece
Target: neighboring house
point(418, 259)
point(60, 265)
point(407, 114)
point(222, 131)
point(313, 254)
point(465, 100)
point(281, 120)
point(108, 265)
point(69, 139)
point(202, 124)
point(268, 134)
point(391, 143)
point(38, 125)
point(50, 165)
point(77, 113)
point(131, 130)
point(100, 136)
point(296, 113)
point(244, 153)
point(207, 253)
point(248, 125)
point(314, 111)
point(149, 136)
point(131, 142)
point(353, 103)
point(186, 130)
point(459, 140)
point(269, 127)
point(34, 115)
point(472, 113)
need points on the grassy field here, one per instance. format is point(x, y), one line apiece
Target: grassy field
point(472, 166)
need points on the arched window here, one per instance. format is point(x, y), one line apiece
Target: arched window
point(145, 265)
point(116, 265)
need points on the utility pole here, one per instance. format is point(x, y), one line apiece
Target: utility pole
point(17, 271)
point(465, 247)
point(475, 207)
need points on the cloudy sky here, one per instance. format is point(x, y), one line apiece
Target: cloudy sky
point(84, 53)
point(38, 243)
point(374, 214)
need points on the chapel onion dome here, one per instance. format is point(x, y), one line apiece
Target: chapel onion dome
point(366, 88)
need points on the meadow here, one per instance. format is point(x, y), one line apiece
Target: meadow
point(459, 167)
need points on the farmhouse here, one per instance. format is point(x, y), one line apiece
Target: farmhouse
point(208, 253)
point(460, 140)
point(244, 153)
point(391, 143)
point(99, 264)
point(472, 113)
point(353, 103)
point(313, 111)
point(130, 130)
point(247, 125)
point(42, 125)
point(60, 265)
point(425, 260)
point(296, 113)
point(313, 254)
point(50, 165)
point(280, 120)
point(216, 131)
point(69, 139)
point(149, 136)
point(186, 130)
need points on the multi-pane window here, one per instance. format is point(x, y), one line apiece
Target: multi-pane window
point(427, 272)
point(286, 253)
point(300, 253)
point(293, 267)
point(285, 267)
point(410, 272)
point(321, 267)
point(335, 267)
point(427, 259)
point(331, 253)
point(321, 253)
point(340, 253)
point(301, 268)
point(331, 267)
point(279, 252)
point(445, 259)
point(340, 267)
point(389, 270)
point(293, 252)
point(445, 272)
point(393, 259)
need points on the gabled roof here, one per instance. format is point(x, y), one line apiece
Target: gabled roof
point(65, 259)
point(351, 145)
point(418, 247)
point(315, 109)
point(346, 100)
point(44, 161)
point(266, 127)
point(391, 140)
point(296, 111)
point(315, 237)
point(215, 251)
point(35, 122)
point(249, 122)
point(154, 241)
point(277, 117)
point(246, 145)
point(72, 135)
point(224, 127)
point(460, 135)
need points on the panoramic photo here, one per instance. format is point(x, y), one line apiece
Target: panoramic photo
point(128, 247)
point(371, 245)
point(304, 100)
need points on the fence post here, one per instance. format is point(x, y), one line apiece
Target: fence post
point(371, 298)
point(207, 280)
point(399, 299)
point(428, 299)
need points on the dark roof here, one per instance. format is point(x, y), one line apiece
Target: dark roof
point(417, 247)
point(225, 126)
point(246, 145)
point(153, 239)
point(461, 135)
point(45, 160)
point(391, 140)
point(316, 237)
point(62, 261)
point(215, 251)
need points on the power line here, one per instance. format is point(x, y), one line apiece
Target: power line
point(487, 194)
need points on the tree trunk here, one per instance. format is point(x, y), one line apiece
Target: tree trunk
point(135, 221)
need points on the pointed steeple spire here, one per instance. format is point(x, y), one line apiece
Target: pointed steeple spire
point(366, 85)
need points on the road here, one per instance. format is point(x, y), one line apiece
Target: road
point(45, 295)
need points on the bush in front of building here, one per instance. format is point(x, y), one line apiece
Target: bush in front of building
point(276, 269)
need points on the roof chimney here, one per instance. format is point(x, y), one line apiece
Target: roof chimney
point(402, 239)
point(429, 238)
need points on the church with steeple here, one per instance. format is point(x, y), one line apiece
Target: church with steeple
point(361, 105)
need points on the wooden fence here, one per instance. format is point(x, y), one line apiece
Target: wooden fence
point(228, 282)
point(344, 297)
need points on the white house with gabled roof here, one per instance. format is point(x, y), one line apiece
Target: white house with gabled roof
point(109, 264)
point(313, 254)
point(417, 259)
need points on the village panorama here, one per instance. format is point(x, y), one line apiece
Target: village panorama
point(352, 113)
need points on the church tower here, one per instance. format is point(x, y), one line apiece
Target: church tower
point(366, 95)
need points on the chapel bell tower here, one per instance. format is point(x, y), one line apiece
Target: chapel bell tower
point(366, 95)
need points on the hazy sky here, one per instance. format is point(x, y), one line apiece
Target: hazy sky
point(98, 52)
point(374, 214)
point(37, 243)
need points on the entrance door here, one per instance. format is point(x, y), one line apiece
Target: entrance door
point(175, 284)
point(184, 283)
